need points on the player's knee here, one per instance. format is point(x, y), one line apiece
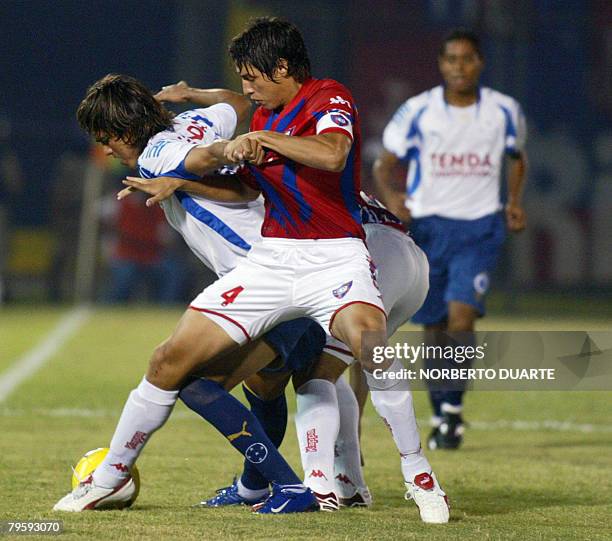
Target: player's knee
point(165, 369)
point(462, 323)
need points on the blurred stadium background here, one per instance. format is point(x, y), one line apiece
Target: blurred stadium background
point(58, 238)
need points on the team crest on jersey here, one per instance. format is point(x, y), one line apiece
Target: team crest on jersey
point(339, 119)
point(342, 290)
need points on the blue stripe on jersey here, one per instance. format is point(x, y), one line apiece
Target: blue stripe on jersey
point(347, 187)
point(288, 118)
point(414, 131)
point(290, 181)
point(510, 128)
point(203, 119)
point(145, 172)
point(208, 218)
point(415, 156)
point(270, 121)
point(277, 210)
point(179, 172)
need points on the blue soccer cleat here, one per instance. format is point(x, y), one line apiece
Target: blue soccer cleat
point(229, 496)
point(288, 499)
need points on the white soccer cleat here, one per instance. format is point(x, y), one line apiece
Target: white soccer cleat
point(429, 498)
point(88, 496)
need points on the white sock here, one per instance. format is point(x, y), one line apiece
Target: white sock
point(347, 464)
point(249, 493)
point(317, 422)
point(146, 410)
point(449, 408)
point(392, 400)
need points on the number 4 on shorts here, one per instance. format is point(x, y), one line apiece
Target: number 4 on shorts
point(230, 295)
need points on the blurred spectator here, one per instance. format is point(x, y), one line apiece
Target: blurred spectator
point(11, 186)
point(66, 199)
point(141, 252)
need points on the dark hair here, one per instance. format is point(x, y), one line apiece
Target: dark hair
point(461, 34)
point(265, 41)
point(121, 107)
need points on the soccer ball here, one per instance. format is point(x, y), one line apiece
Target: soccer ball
point(90, 461)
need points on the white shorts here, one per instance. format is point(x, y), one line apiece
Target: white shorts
point(402, 276)
point(283, 279)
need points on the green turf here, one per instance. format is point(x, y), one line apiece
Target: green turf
point(511, 482)
point(21, 327)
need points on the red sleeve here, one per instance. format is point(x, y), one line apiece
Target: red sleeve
point(333, 107)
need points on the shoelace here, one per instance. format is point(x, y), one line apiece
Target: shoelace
point(82, 490)
point(431, 497)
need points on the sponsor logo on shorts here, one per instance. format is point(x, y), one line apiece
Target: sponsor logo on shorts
point(137, 439)
point(312, 441)
point(481, 283)
point(342, 290)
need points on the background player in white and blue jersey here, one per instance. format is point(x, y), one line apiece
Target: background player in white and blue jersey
point(454, 138)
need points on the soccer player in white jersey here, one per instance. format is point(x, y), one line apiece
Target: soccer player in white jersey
point(454, 138)
point(124, 116)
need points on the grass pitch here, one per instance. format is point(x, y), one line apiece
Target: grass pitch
point(534, 465)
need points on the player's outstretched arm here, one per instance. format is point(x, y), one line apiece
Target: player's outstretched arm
point(326, 151)
point(383, 172)
point(181, 92)
point(516, 218)
point(225, 189)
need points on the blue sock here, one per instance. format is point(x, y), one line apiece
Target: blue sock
point(229, 416)
point(436, 397)
point(272, 414)
point(454, 395)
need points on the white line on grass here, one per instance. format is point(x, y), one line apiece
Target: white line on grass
point(34, 359)
point(501, 424)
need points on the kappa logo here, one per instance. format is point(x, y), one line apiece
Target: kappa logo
point(344, 479)
point(137, 439)
point(121, 467)
point(312, 441)
point(317, 473)
point(338, 100)
point(342, 290)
